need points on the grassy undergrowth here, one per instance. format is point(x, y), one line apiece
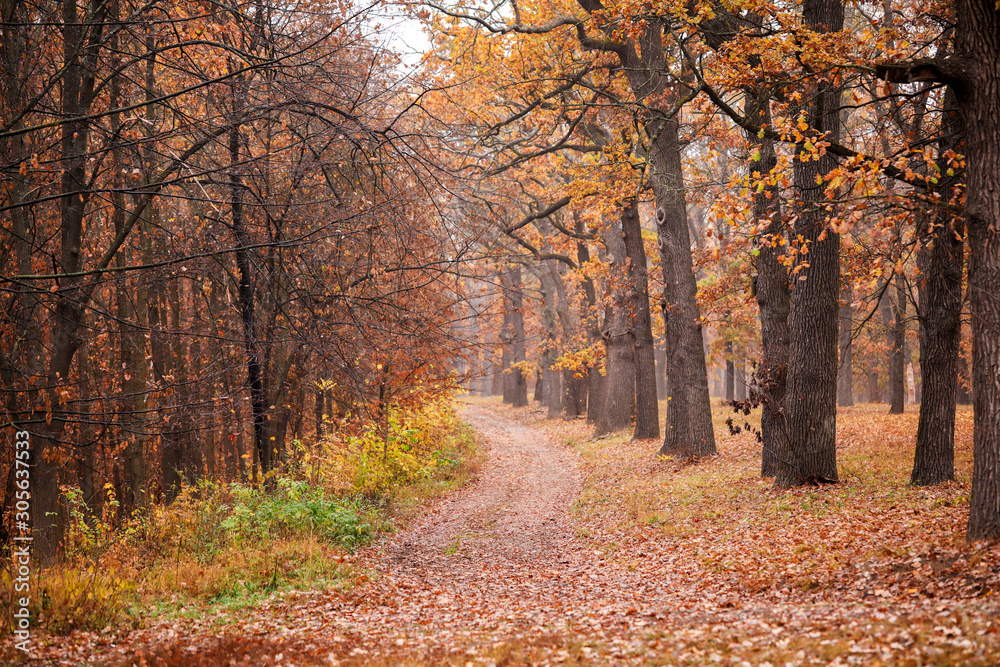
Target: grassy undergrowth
point(226, 546)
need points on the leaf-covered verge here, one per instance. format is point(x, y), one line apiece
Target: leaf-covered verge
point(219, 548)
point(868, 571)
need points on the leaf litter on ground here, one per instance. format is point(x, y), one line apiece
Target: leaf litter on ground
point(570, 550)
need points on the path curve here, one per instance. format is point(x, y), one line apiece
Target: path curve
point(495, 573)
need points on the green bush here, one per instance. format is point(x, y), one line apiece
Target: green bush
point(294, 507)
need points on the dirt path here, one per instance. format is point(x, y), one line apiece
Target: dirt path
point(495, 569)
point(494, 574)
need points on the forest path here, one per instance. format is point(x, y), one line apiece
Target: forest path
point(495, 569)
point(496, 573)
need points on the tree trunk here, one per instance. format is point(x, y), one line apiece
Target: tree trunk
point(660, 349)
point(939, 311)
point(619, 341)
point(81, 37)
point(897, 360)
point(552, 397)
point(809, 454)
point(689, 408)
point(845, 373)
point(518, 381)
point(255, 379)
point(595, 381)
point(730, 374)
point(773, 303)
point(740, 381)
point(977, 36)
point(940, 325)
point(647, 417)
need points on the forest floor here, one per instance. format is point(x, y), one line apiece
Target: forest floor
point(569, 550)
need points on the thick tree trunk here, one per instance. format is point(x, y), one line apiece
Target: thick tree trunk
point(689, 408)
point(809, 454)
point(940, 290)
point(940, 260)
point(773, 303)
point(977, 37)
point(619, 340)
point(647, 417)
point(845, 374)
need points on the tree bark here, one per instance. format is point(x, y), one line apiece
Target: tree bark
point(255, 380)
point(897, 359)
point(977, 37)
point(595, 381)
point(517, 384)
point(845, 374)
point(730, 374)
point(809, 455)
point(619, 340)
point(647, 417)
point(689, 408)
point(939, 312)
point(773, 301)
point(940, 328)
point(81, 45)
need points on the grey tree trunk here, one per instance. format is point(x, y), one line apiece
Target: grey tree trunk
point(689, 408)
point(845, 375)
point(594, 381)
point(619, 340)
point(515, 382)
point(730, 374)
point(660, 349)
point(647, 417)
